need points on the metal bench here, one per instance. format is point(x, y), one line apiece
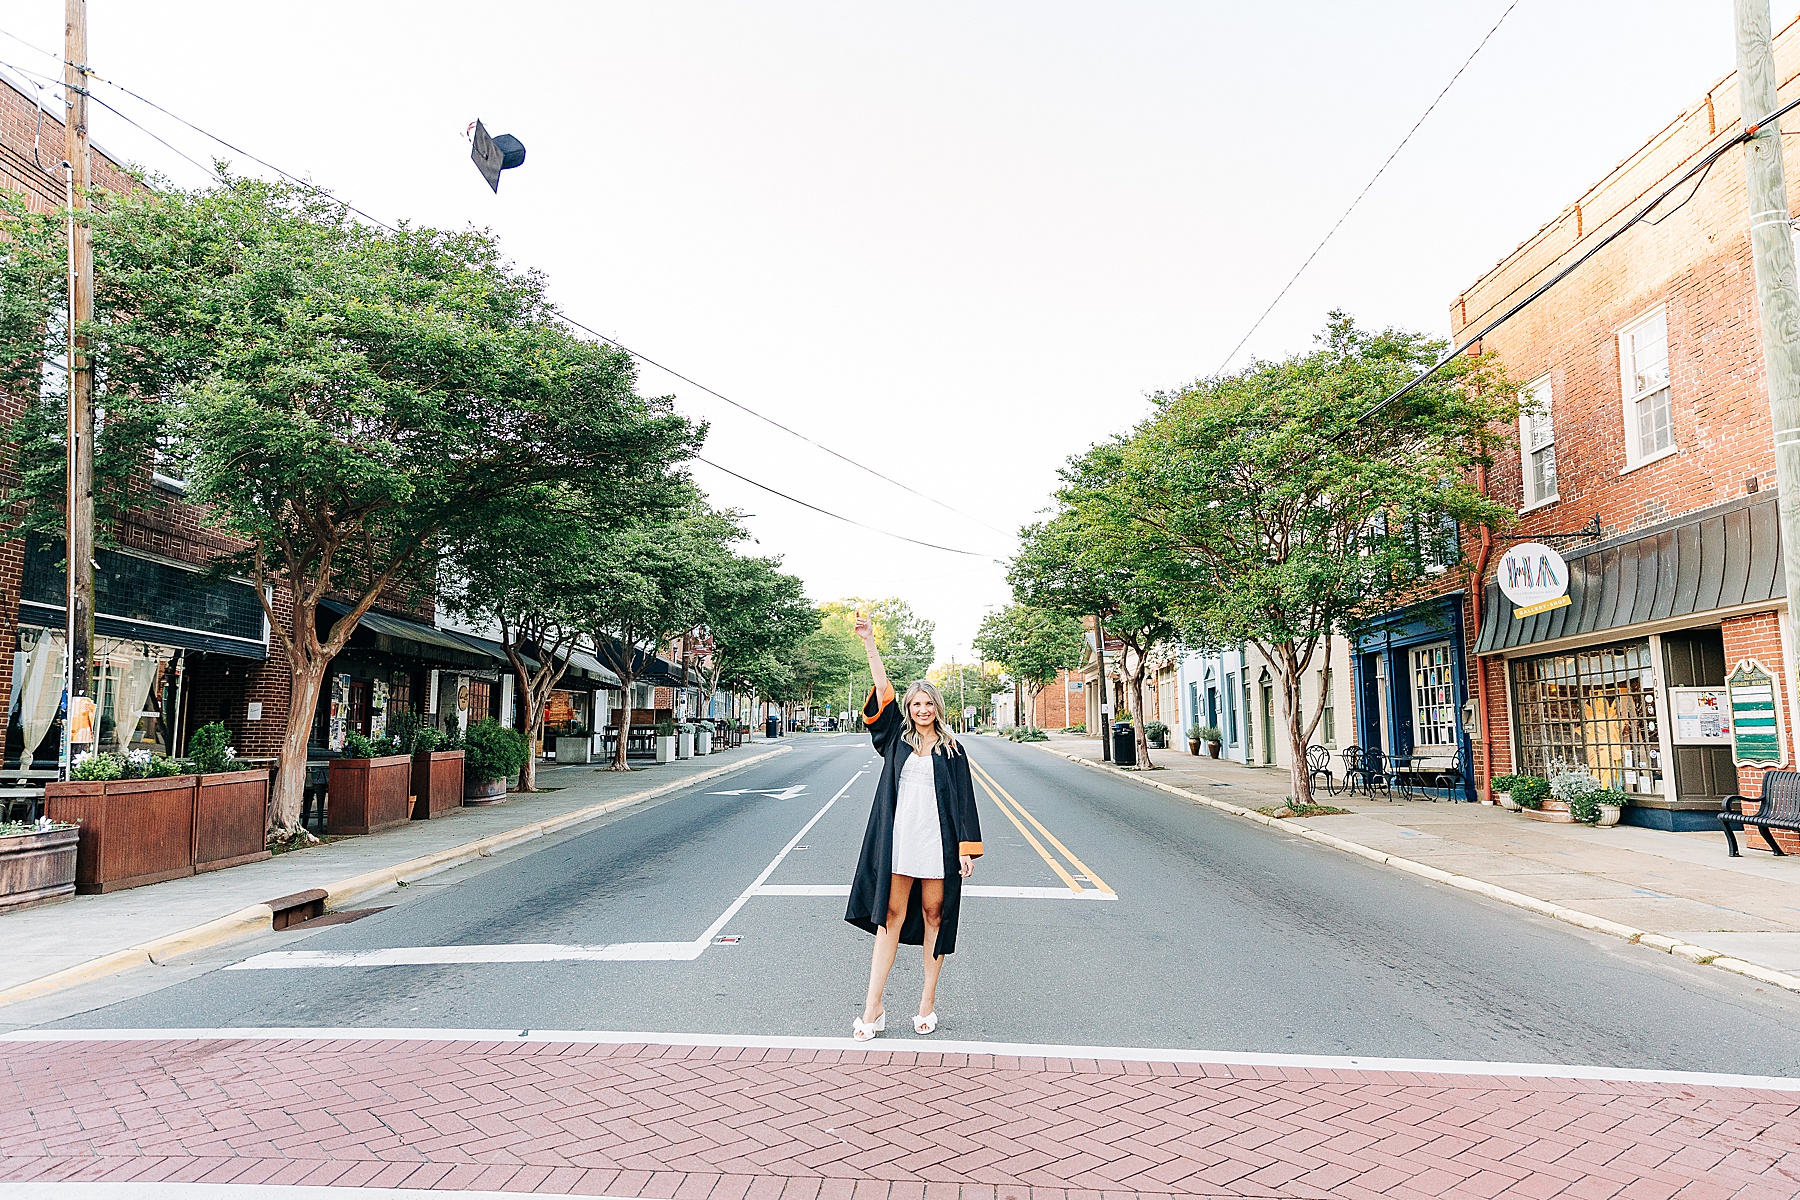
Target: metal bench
point(1777, 808)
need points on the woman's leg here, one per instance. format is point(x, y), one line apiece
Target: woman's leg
point(931, 899)
point(887, 944)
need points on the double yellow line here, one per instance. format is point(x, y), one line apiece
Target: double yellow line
point(992, 787)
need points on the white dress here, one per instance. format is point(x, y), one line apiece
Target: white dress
point(918, 840)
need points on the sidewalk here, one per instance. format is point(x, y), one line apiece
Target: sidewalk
point(58, 945)
point(1677, 892)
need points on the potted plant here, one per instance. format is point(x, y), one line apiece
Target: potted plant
point(703, 738)
point(437, 767)
point(1567, 787)
point(1157, 734)
point(574, 745)
point(1601, 806)
point(37, 862)
point(1195, 732)
point(1503, 786)
point(492, 755)
point(370, 786)
point(1214, 740)
point(1528, 792)
point(665, 741)
point(684, 740)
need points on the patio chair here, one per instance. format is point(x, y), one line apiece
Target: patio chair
point(1318, 764)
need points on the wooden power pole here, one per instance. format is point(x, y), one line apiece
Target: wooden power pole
point(79, 543)
point(1777, 296)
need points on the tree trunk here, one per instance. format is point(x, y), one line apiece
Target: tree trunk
point(532, 709)
point(618, 762)
point(1137, 709)
point(290, 780)
point(1292, 672)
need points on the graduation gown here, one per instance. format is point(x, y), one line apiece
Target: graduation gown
point(958, 826)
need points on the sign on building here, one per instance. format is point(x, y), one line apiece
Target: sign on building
point(1702, 716)
point(1757, 737)
point(1535, 578)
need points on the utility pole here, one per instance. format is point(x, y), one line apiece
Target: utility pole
point(1777, 299)
point(79, 542)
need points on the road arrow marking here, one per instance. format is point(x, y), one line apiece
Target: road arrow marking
point(786, 793)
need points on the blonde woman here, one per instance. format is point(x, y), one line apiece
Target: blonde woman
point(922, 839)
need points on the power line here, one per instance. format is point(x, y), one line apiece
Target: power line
point(1365, 189)
point(839, 516)
point(643, 358)
point(1701, 168)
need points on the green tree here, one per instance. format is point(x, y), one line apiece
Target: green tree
point(1031, 645)
point(1291, 502)
point(649, 585)
point(967, 685)
point(751, 609)
point(903, 637)
point(341, 399)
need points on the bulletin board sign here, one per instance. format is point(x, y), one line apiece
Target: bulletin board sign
point(1702, 716)
point(1758, 738)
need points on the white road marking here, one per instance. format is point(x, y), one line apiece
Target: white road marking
point(786, 793)
point(1023, 1050)
point(990, 891)
point(532, 952)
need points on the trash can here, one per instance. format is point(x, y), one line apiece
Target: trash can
point(1124, 745)
point(773, 729)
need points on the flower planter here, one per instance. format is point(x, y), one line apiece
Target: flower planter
point(1213, 748)
point(437, 783)
point(1505, 800)
point(1609, 815)
point(684, 745)
point(231, 819)
point(574, 750)
point(366, 795)
point(702, 743)
point(665, 749)
point(1193, 747)
point(37, 867)
point(1555, 811)
point(138, 831)
point(484, 791)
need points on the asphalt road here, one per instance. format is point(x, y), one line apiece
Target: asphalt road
point(1223, 936)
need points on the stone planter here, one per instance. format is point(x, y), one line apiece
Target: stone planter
point(574, 750)
point(37, 867)
point(1554, 811)
point(366, 795)
point(684, 745)
point(1505, 800)
point(1609, 815)
point(138, 831)
point(437, 783)
point(702, 742)
point(665, 749)
point(486, 791)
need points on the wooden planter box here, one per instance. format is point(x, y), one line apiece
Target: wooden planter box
point(437, 783)
point(368, 794)
point(231, 820)
point(138, 831)
point(36, 867)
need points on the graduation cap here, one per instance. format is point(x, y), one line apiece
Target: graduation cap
point(493, 155)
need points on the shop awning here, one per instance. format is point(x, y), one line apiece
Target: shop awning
point(585, 665)
point(650, 668)
point(1723, 558)
point(415, 639)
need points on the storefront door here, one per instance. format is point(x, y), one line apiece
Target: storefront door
point(1268, 720)
point(1371, 738)
point(1696, 658)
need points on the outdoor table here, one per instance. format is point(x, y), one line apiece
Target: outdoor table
point(1408, 771)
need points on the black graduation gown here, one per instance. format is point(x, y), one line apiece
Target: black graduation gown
point(958, 825)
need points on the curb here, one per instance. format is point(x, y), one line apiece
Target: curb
point(259, 918)
point(1480, 887)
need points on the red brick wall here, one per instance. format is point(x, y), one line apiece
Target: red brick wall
point(1055, 707)
point(1759, 636)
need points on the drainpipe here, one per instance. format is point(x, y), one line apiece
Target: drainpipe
point(1485, 773)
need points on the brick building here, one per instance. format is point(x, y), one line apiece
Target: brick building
point(1647, 461)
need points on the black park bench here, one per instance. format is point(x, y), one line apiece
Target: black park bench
point(1779, 808)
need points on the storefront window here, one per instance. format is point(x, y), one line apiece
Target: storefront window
point(1434, 696)
point(1593, 708)
point(132, 695)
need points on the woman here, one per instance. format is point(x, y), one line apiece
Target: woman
point(922, 840)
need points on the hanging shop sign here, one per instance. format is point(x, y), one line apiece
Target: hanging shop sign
point(1757, 736)
point(1535, 578)
point(1702, 716)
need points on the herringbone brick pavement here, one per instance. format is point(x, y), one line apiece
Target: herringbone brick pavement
point(686, 1123)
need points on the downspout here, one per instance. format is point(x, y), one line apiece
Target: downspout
point(1478, 594)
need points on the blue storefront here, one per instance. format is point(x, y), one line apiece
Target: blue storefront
point(1409, 674)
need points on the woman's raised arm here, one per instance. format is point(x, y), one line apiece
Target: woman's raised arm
point(865, 629)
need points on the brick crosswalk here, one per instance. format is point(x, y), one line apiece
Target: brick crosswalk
point(736, 1123)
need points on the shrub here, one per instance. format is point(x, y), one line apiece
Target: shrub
point(665, 729)
point(210, 750)
point(95, 767)
point(1528, 791)
point(1210, 733)
point(492, 751)
point(1027, 733)
point(1505, 783)
point(1572, 784)
point(1196, 732)
point(1155, 730)
point(1075, 728)
point(1585, 806)
point(163, 767)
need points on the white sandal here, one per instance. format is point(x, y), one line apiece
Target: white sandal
point(865, 1031)
point(925, 1024)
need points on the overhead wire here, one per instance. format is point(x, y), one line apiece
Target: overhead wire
point(1700, 168)
point(1365, 189)
point(611, 341)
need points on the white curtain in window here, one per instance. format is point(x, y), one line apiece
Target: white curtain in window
point(40, 691)
point(138, 677)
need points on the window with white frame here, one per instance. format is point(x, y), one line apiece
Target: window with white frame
point(1644, 381)
point(1537, 444)
point(1434, 703)
point(1327, 710)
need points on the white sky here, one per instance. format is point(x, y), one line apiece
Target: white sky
point(958, 241)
